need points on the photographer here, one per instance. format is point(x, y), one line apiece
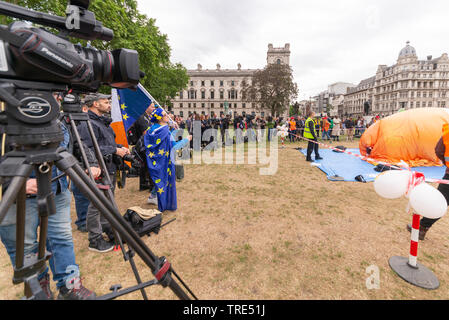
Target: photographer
point(99, 107)
point(59, 239)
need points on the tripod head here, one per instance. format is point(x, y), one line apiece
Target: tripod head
point(30, 118)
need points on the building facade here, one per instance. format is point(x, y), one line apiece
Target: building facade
point(219, 91)
point(325, 100)
point(411, 83)
point(358, 100)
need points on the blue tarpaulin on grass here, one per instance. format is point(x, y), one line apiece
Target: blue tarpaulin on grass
point(348, 167)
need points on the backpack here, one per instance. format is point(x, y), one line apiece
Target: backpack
point(144, 222)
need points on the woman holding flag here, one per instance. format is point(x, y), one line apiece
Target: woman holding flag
point(160, 151)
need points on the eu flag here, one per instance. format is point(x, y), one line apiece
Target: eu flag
point(133, 104)
point(160, 160)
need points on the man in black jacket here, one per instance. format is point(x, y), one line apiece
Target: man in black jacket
point(99, 108)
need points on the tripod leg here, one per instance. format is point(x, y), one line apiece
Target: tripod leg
point(69, 165)
point(11, 194)
point(108, 193)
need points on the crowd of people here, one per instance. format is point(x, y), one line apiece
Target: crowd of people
point(330, 128)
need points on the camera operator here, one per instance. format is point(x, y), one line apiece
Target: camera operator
point(59, 238)
point(99, 107)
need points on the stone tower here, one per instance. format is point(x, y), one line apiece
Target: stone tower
point(278, 55)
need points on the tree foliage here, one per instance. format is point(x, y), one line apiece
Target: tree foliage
point(132, 30)
point(271, 88)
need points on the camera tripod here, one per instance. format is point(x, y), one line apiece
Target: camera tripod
point(36, 147)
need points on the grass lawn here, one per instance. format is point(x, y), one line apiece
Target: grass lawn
point(293, 235)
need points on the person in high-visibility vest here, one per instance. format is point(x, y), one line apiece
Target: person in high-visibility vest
point(310, 133)
point(442, 152)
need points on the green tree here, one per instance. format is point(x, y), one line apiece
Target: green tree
point(271, 88)
point(132, 30)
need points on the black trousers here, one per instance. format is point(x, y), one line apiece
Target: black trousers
point(312, 147)
point(444, 189)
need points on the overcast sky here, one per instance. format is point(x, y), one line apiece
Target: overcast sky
point(330, 40)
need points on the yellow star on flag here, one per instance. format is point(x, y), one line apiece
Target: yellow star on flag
point(123, 107)
point(161, 152)
point(125, 117)
point(167, 154)
point(151, 154)
point(161, 190)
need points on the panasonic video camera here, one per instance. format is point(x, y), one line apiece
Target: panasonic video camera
point(35, 63)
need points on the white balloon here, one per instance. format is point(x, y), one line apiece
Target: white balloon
point(392, 184)
point(428, 201)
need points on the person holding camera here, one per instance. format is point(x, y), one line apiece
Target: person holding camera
point(99, 107)
point(59, 235)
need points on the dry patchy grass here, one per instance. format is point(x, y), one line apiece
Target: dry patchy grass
point(294, 235)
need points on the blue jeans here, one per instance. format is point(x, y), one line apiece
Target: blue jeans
point(153, 193)
point(326, 134)
point(59, 237)
point(81, 205)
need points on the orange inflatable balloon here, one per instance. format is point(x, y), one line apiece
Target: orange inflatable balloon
point(410, 136)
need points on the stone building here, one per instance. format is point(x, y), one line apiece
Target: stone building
point(358, 100)
point(218, 91)
point(412, 83)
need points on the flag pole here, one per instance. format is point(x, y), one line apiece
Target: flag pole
point(154, 100)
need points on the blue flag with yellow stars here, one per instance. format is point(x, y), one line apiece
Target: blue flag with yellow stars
point(158, 145)
point(133, 104)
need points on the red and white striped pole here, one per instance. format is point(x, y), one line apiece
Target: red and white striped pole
point(413, 257)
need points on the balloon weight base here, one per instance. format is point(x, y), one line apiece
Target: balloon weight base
point(420, 276)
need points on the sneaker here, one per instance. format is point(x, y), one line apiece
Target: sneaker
point(318, 158)
point(82, 228)
point(152, 201)
point(45, 285)
point(100, 245)
point(80, 293)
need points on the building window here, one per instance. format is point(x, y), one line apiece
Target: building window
point(212, 83)
point(235, 105)
point(181, 95)
point(211, 105)
point(243, 105)
point(203, 83)
point(212, 95)
point(203, 105)
point(192, 94)
point(191, 83)
point(180, 105)
point(232, 83)
point(278, 61)
point(221, 95)
point(221, 83)
point(181, 114)
point(189, 105)
point(221, 105)
point(203, 94)
point(194, 105)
